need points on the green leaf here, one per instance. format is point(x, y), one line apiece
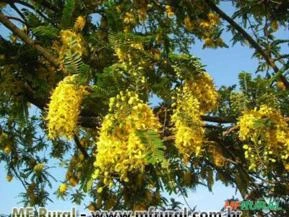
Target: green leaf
point(155, 146)
point(67, 14)
point(88, 185)
point(46, 32)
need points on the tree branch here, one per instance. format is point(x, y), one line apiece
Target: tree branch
point(220, 120)
point(17, 19)
point(80, 147)
point(6, 22)
point(252, 42)
point(84, 120)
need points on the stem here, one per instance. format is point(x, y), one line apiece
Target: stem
point(6, 22)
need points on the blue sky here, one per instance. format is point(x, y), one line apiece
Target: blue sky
point(224, 65)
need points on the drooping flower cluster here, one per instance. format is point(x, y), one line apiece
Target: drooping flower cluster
point(64, 108)
point(193, 99)
point(203, 88)
point(189, 130)
point(267, 134)
point(119, 149)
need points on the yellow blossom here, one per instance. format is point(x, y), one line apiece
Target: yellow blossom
point(7, 149)
point(38, 168)
point(64, 108)
point(204, 90)
point(188, 23)
point(129, 18)
point(188, 124)
point(79, 23)
point(169, 11)
point(266, 132)
point(119, 149)
point(196, 97)
point(9, 178)
point(62, 188)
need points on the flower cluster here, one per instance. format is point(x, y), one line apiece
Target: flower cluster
point(189, 130)
point(193, 99)
point(203, 88)
point(206, 27)
point(267, 135)
point(119, 149)
point(64, 108)
point(127, 54)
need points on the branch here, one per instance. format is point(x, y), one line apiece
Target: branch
point(6, 22)
point(252, 42)
point(17, 19)
point(219, 120)
point(80, 147)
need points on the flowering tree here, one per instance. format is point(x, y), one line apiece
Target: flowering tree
point(77, 80)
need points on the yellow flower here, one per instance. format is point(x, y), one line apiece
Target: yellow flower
point(73, 181)
point(79, 23)
point(204, 90)
point(205, 24)
point(119, 149)
point(188, 23)
point(99, 190)
point(137, 46)
point(169, 11)
point(38, 168)
point(218, 157)
point(129, 18)
point(281, 85)
point(122, 56)
point(214, 19)
point(62, 188)
point(267, 133)
point(7, 149)
point(64, 108)
point(188, 124)
point(9, 178)
point(196, 97)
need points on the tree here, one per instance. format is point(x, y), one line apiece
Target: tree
point(78, 76)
